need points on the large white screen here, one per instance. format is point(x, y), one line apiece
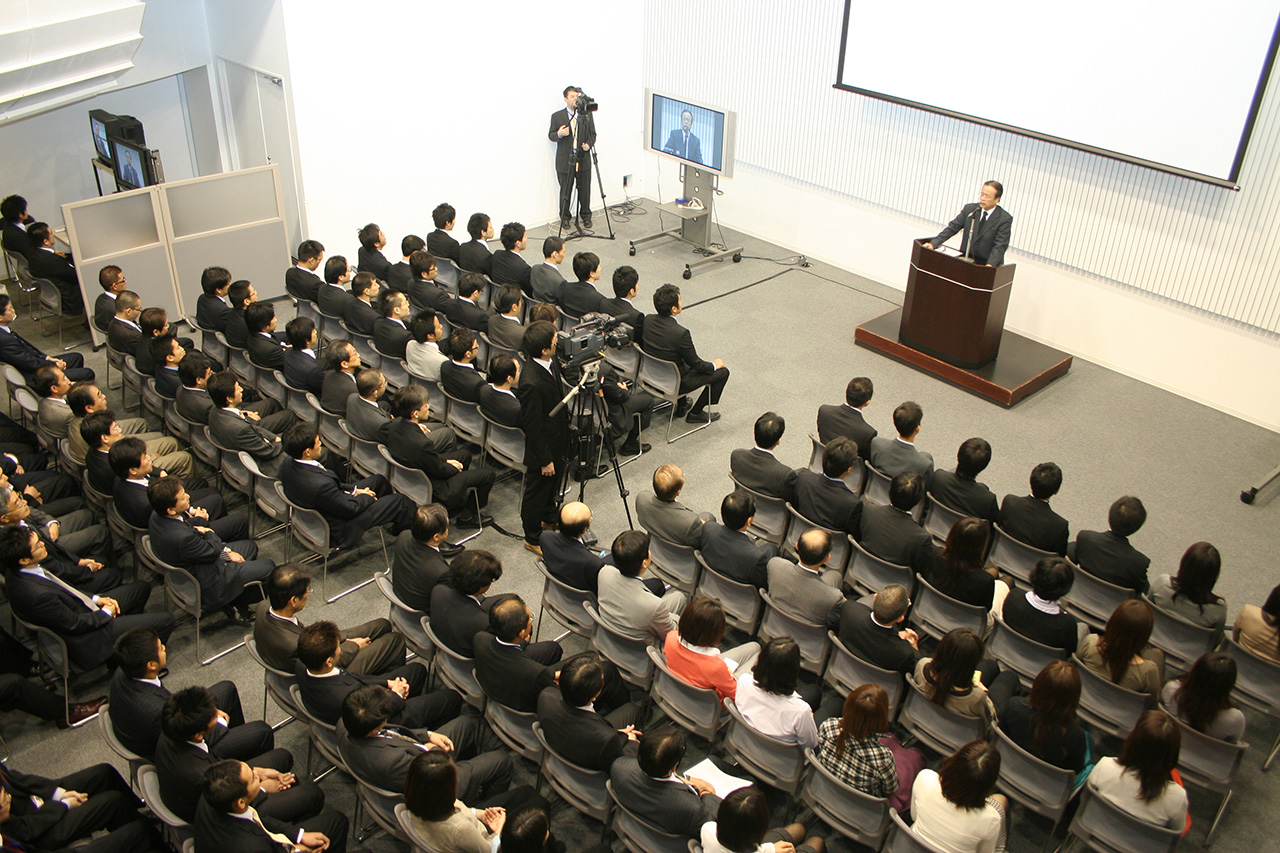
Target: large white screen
point(1172, 83)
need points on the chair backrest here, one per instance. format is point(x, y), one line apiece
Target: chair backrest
point(1181, 641)
point(406, 620)
point(845, 671)
point(393, 369)
point(323, 735)
point(331, 434)
point(877, 486)
point(179, 583)
point(1207, 762)
point(149, 783)
point(742, 605)
point(1093, 600)
point(515, 729)
point(27, 401)
point(369, 357)
point(405, 818)
point(870, 574)
point(203, 447)
point(841, 550)
point(858, 816)
point(365, 457)
point(626, 361)
point(50, 296)
point(581, 788)
point(447, 273)
point(1036, 784)
point(412, 482)
point(936, 613)
point(565, 603)
point(1257, 679)
point(264, 493)
point(1103, 826)
point(1021, 654)
point(1107, 706)
point(1013, 556)
point(309, 526)
point(233, 471)
point(639, 835)
point(456, 670)
point(697, 709)
point(630, 656)
point(660, 378)
point(109, 735)
point(939, 518)
point(465, 419)
point(772, 761)
point(51, 646)
point(175, 424)
point(772, 519)
point(505, 444)
point(276, 681)
point(238, 360)
point(269, 384)
point(674, 564)
point(903, 839)
point(214, 344)
point(382, 806)
point(941, 730)
point(151, 398)
point(811, 637)
point(296, 401)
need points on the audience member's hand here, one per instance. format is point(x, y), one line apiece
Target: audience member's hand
point(314, 842)
point(110, 605)
point(455, 463)
point(61, 365)
point(32, 492)
point(631, 733)
point(783, 847)
point(91, 565)
point(719, 363)
point(364, 490)
point(704, 787)
point(440, 741)
point(253, 416)
point(399, 686)
point(200, 529)
point(495, 819)
point(360, 642)
point(74, 798)
point(224, 717)
point(549, 470)
point(198, 512)
point(234, 557)
point(586, 146)
point(910, 636)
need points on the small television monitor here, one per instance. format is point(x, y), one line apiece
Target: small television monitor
point(98, 120)
point(107, 126)
point(132, 165)
point(690, 132)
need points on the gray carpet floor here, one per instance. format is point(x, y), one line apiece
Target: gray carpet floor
point(786, 333)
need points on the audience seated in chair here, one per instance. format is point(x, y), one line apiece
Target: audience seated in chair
point(264, 347)
point(759, 469)
point(660, 513)
point(809, 590)
point(421, 555)
point(399, 275)
point(238, 428)
point(728, 549)
point(957, 570)
point(1108, 555)
point(630, 604)
point(460, 604)
point(742, 823)
point(506, 266)
point(1030, 520)
point(332, 297)
point(505, 329)
point(463, 312)
point(230, 815)
point(1038, 614)
point(1140, 781)
point(473, 255)
point(342, 360)
point(626, 282)
point(890, 533)
point(1201, 698)
point(168, 353)
point(390, 333)
point(100, 430)
point(50, 263)
point(579, 298)
point(956, 807)
point(123, 332)
point(693, 654)
point(78, 554)
point(112, 281)
point(26, 357)
point(422, 354)
point(878, 634)
point(498, 400)
point(1121, 654)
point(369, 257)
point(300, 280)
point(545, 279)
point(568, 558)
point(575, 729)
point(1256, 628)
point(824, 498)
point(135, 471)
point(459, 377)
point(194, 403)
point(367, 415)
point(950, 677)
point(440, 242)
point(849, 745)
point(960, 490)
point(848, 419)
point(893, 456)
point(54, 413)
point(302, 369)
point(770, 700)
point(666, 339)
point(424, 292)
point(1044, 722)
point(240, 295)
point(656, 792)
point(511, 669)
point(154, 322)
point(213, 306)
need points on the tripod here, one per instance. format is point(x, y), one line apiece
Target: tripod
point(569, 191)
point(589, 409)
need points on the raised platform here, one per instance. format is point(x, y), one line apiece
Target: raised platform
point(1022, 367)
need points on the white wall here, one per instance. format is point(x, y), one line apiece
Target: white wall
point(423, 103)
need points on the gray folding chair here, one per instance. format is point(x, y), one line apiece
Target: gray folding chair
point(933, 725)
point(323, 739)
point(1181, 641)
point(1014, 557)
point(877, 486)
point(859, 817)
point(296, 401)
point(869, 574)
point(1106, 706)
point(465, 420)
point(238, 361)
point(936, 613)
point(565, 604)
point(639, 835)
point(1036, 785)
point(365, 458)
point(626, 361)
point(265, 497)
point(379, 804)
point(696, 709)
point(1257, 686)
point(447, 273)
point(134, 760)
point(211, 342)
point(841, 549)
point(177, 830)
point(406, 620)
point(630, 656)
point(456, 671)
point(771, 519)
point(939, 518)
point(311, 529)
point(393, 369)
point(742, 605)
point(662, 379)
point(152, 403)
point(673, 564)
point(204, 449)
point(269, 385)
point(182, 588)
point(369, 357)
point(234, 473)
point(1021, 654)
point(845, 671)
point(579, 787)
point(809, 636)
point(331, 435)
point(515, 729)
point(275, 685)
point(412, 482)
point(1103, 826)
point(1210, 764)
point(1093, 600)
point(770, 760)
point(903, 839)
point(418, 844)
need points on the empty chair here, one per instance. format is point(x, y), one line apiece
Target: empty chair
point(457, 671)
point(1020, 654)
point(772, 761)
point(1103, 826)
point(182, 588)
point(798, 525)
point(406, 620)
point(936, 613)
point(845, 671)
point(1107, 706)
point(662, 379)
point(771, 519)
point(742, 605)
point(565, 604)
point(939, 518)
point(515, 729)
point(1181, 641)
point(1037, 785)
point(640, 836)
point(1257, 686)
point(275, 683)
point(674, 564)
point(630, 656)
point(810, 637)
point(1093, 600)
point(869, 574)
point(855, 815)
point(933, 725)
point(1211, 764)
point(581, 788)
point(1014, 557)
point(696, 709)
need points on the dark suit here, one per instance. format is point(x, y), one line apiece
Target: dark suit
point(411, 447)
point(334, 391)
point(194, 404)
point(390, 337)
point(565, 155)
point(671, 806)
point(1033, 522)
point(167, 382)
point(1059, 630)
point(626, 312)
point(302, 283)
point(15, 238)
point(428, 294)
point(545, 281)
point(508, 267)
point(442, 245)
point(474, 256)
point(469, 315)
point(104, 311)
point(870, 641)
point(28, 358)
point(277, 640)
point(133, 506)
point(893, 535)
point(361, 317)
point(54, 826)
point(236, 330)
point(570, 561)
point(733, 553)
point(217, 832)
point(511, 676)
point(181, 766)
point(579, 298)
point(367, 420)
point(546, 440)
point(416, 568)
point(457, 618)
point(349, 515)
point(586, 738)
point(760, 471)
point(670, 520)
point(990, 238)
point(505, 332)
point(398, 277)
point(499, 406)
point(265, 351)
point(62, 272)
point(464, 383)
point(241, 433)
point(123, 337)
point(372, 260)
point(964, 494)
point(684, 145)
point(1109, 556)
point(828, 502)
point(177, 542)
point(212, 312)
point(136, 708)
point(332, 300)
point(835, 421)
point(892, 456)
point(303, 371)
point(666, 339)
point(323, 695)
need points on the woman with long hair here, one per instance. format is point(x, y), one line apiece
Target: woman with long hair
point(849, 745)
point(1121, 654)
point(444, 821)
point(951, 677)
point(1202, 697)
point(1258, 628)
point(956, 807)
point(958, 570)
point(1140, 781)
point(767, 697)
point(1189, 593)
point(693, 653)
point(1044, 723)
point(742, 826)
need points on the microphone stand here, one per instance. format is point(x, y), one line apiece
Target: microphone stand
point(970, 229)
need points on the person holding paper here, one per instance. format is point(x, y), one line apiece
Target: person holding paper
point(990, 227)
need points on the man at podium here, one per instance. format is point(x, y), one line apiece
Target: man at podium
point(990, 227)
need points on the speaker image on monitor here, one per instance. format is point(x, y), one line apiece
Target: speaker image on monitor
point(107, 126)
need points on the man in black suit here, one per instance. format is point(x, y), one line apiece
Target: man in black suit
point(369, 258)
point(504, 328)
point(240, 428)
point(399, 274)
point(333, 295)
point(665, 338)
point(574, 729)
point(123, 332)
point(511, 670)
point(546, 438)
point(989, 224)
point(424, 291)
point(367, 416)
point(877, 634)
point(88, 624)
point(1108, 554)
point(848, 419)
point(264, 349)
point(507, 266)
point(459, 376)
point(439, 242)
point(300, 280)
point(463, 311)
point(890, 533)
point(574, 134)
point(135, 470)
point(728, 549)
point(47, 262)
point(758, 469)
point(449, 468)
point(460, 604)
point(568, 559)
point(390, 333)
point(545, 278)
point(379, 751)
point(27, 357)
point(653, 789)
point(13, 210)
point(893, 456)
point(221, 569)
point(824, 498)
point(167, 352)
point(960, 490)
point(420, 558)
point(39, 814)
point(681, 142)
point(1038, 614)
point(1029, 518)
point(154, 322)
point(240, 295)
point(138, 697)
point(578, 298)
point(324, 684)
point(474, 256)
point(228, 817)
point(342, 360)
point(213, 307)
point(112, 281)
point(626, 282)
point(301, 367)
point(349, 508)
point(498, 402)
point(193, 402)
point(360, 315)
point(88, 573)
point(370, 648)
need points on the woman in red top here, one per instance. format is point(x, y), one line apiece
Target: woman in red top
point(693, 652)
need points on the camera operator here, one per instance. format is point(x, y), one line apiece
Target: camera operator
point(573, 132)
point(622, 403)
point(546, 438)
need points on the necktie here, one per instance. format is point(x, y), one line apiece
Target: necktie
point(275, 836)
point(84, 599)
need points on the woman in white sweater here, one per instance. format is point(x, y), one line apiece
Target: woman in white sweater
point(956, 809)
point(1140, 781)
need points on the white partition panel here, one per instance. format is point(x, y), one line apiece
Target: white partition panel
point(256, 252)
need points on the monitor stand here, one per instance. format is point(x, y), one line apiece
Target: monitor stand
point(695, 223)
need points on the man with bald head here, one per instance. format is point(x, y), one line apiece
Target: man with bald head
point(665, 517)
point(808, 590)
point(565, 552)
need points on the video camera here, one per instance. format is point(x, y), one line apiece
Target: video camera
point(586, 103)
point(585, 342)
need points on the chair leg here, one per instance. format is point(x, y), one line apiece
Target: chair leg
point(1266, 765)
point(475, 495)
point(1217, 818)
point(223, 653)
point(671, 420)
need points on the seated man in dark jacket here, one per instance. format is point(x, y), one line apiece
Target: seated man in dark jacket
point(653, 789)
point(390, 332)
point(498, 400)
point(1108, 555)
point(567, 557)
point(572, 726)
point(890, 533)
point(359, 312)
point(463, 312)
point(1038, 614)
point(757, 468)
point(300, 280)
point(264, 348)
point(459, 377)
point(506, 666)
point(240, 295)
point(729, 550)
point(460, 604)
point(960, 490)
point(825, 498)
point(421, 555)
point(506, 265)
point(223, 821)
point(135, 471)
point(666, 339)
point(301, 367)
point(213, 307)
point(878, 634)
point(579, 298)
point(1030, 520)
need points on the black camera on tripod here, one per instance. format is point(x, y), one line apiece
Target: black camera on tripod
point(586, 103)
point(586, 341)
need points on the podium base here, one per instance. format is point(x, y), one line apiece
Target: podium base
point(1021, 368)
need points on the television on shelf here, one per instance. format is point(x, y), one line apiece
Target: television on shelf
point(690, 132)
point(132, 165)
point(106, 126)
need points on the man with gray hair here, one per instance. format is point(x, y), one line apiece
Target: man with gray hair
point(875, 634)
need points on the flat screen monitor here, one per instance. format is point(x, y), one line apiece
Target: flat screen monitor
point(98, 120)
point(690, 132)
point(132, 165)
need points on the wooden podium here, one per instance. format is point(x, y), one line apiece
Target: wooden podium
point(954, 310)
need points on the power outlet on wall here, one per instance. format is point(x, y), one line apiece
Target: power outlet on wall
point(626, 181)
